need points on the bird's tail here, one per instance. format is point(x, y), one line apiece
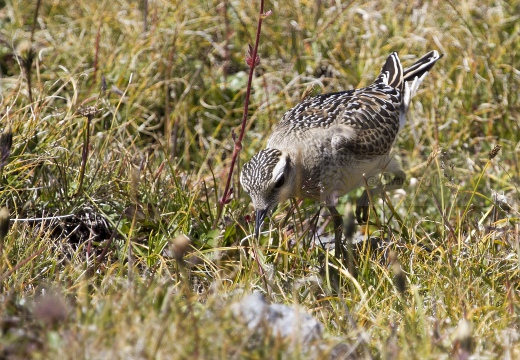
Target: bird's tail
point(392, 72)
point(421, 66)
point(412, 79)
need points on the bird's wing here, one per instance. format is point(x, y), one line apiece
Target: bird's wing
point(362, 122)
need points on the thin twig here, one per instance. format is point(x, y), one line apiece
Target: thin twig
point(171, 144)
point(227, 61)
point(43, 218)
point(84, 155)
point(35, 19)
point(145, 15)
point(28, 60)
point(96, 54)
point(252, 61)
point(21, 263)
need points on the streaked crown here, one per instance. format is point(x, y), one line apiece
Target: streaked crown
point(264, 176)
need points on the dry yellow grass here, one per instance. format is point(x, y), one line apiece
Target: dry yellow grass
point(170, 90)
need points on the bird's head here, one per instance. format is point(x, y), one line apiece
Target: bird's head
point(269, 178)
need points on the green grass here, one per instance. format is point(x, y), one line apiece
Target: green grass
point(159, 153)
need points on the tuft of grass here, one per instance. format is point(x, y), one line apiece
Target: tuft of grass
point(114, 245)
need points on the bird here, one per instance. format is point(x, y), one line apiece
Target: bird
point(329, 144)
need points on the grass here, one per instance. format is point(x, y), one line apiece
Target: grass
point(155, 272)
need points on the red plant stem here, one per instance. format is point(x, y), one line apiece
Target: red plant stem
point(238, 141)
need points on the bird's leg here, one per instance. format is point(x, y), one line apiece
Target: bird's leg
point(338, 230)
point(397, 182)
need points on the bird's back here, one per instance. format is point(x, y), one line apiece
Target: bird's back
point(362, 123)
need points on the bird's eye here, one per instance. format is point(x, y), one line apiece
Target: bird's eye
point(279, 182)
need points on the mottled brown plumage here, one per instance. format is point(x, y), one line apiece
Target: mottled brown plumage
point(328, 144)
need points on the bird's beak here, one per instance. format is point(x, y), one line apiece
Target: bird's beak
point(260, 216)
